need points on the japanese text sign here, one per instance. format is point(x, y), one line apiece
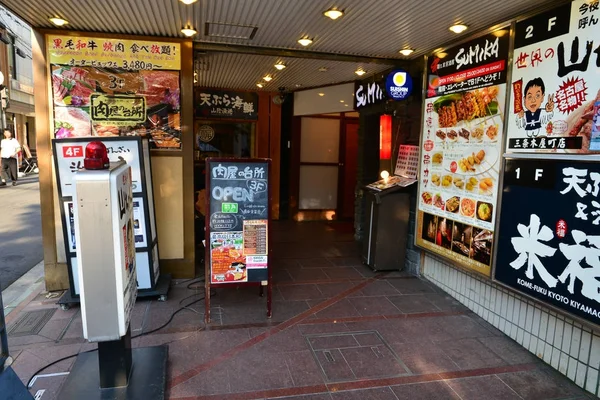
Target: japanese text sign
point(478, 63)
point(117, 108)
point(113, 53)
point(555, 94)
point(224, 104)
point(550, 247)
point(238, 219)
point(461, 152)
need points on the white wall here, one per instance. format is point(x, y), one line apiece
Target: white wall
point(566, 345)
point(308, 102)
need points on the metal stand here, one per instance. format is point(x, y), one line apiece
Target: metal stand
point(160, 290)
point(114, 361)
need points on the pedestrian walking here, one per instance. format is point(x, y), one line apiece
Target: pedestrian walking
point(9, 150)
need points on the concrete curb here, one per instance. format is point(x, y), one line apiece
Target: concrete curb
point(24, 287)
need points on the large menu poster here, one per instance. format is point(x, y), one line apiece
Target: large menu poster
point(461, 151)
point(238, 220)
point(550, 248)
point(116, 87)
point(555, 93)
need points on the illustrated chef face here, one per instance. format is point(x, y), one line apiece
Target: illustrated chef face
point(534, 94)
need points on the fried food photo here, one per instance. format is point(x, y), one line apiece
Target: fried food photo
point(458, 182)
point(477, 134)
point(468, 163)
point(441, 134)
point(435, 179)
point(447, 180)
point(492, 132)
point(485, 185)
point(452, 204)
point(471, 184)
point(437, 158)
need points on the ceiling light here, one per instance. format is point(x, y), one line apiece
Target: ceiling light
point(59, 21)
point(346, 105)
point(458, 28)
point(322, 69)
point(333, 13)
point(298, 85)
point(267, 78)
point(360, 72)
point(321, 94)
point(188, 31)
point(305, 41)
point(188, 1)
point(442, 55)
point(259, 84)
point(406, 52)
point(280, 65)
point(341, 101)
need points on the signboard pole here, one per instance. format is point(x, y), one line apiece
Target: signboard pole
point(237, 230)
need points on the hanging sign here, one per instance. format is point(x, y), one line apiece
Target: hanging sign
point(461, 152)
point(225, 104)
point(398, 84)
point(555, 93)
point(550, 247)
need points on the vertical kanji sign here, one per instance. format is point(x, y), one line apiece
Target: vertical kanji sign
point(555, 92)
point(550, 242)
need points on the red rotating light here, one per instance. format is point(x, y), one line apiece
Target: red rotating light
point(96, 156)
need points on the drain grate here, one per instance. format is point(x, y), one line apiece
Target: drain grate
point(351, 356)
point(31, 323)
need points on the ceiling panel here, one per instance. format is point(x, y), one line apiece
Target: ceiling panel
point(375, 28)
point(243, 71)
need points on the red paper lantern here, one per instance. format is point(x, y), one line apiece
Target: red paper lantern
point(385, 137)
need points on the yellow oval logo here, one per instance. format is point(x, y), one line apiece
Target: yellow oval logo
point(399, 78)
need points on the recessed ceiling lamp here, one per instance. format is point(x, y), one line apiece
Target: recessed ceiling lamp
point(323, 69)
point(188, 31)
point(321, 94)
point(280, 65)
point(58, 21)
point(406, 52)
point(360, 72)
point(333, 13)
point(260, 85)
point(298, 85)
point(305, 41)
point(188, 1)
point(458, 28)
point(341, 101)
point(267, 78)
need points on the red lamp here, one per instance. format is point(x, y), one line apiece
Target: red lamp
point(96, 156)
point(385, 137)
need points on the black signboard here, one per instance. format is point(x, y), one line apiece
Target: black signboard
point(544, 26)
point(549, 246)
point(238, 219)
point(210, 103)
point(368, 94)
point(478, 63)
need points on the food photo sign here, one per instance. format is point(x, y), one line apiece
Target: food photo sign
point(461, 151)
point(238, 222)
point(555, 91)
point(114, 87)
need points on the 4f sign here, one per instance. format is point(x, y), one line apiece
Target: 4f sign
point(72, 151)
point(398, 84)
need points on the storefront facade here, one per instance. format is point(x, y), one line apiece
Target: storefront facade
point(475, 126)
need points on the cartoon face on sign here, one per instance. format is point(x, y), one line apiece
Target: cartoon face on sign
point(531, 118)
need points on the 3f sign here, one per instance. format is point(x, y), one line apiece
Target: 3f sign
point(529, 30)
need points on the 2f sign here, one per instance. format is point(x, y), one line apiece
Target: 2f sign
point(551, 23)
point(72, 151)
point(544, 26)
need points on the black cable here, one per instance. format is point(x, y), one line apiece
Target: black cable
point(212, 293)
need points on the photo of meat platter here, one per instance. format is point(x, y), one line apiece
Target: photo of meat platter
point(459, 109)
point(74, 87)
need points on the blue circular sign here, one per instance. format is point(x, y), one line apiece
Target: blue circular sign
point(398, 84)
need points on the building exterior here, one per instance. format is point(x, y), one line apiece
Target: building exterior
point(17, 66)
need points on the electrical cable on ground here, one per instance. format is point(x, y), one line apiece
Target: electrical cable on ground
point(186, 307)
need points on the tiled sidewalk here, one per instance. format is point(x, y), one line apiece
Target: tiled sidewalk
point(339, 331)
